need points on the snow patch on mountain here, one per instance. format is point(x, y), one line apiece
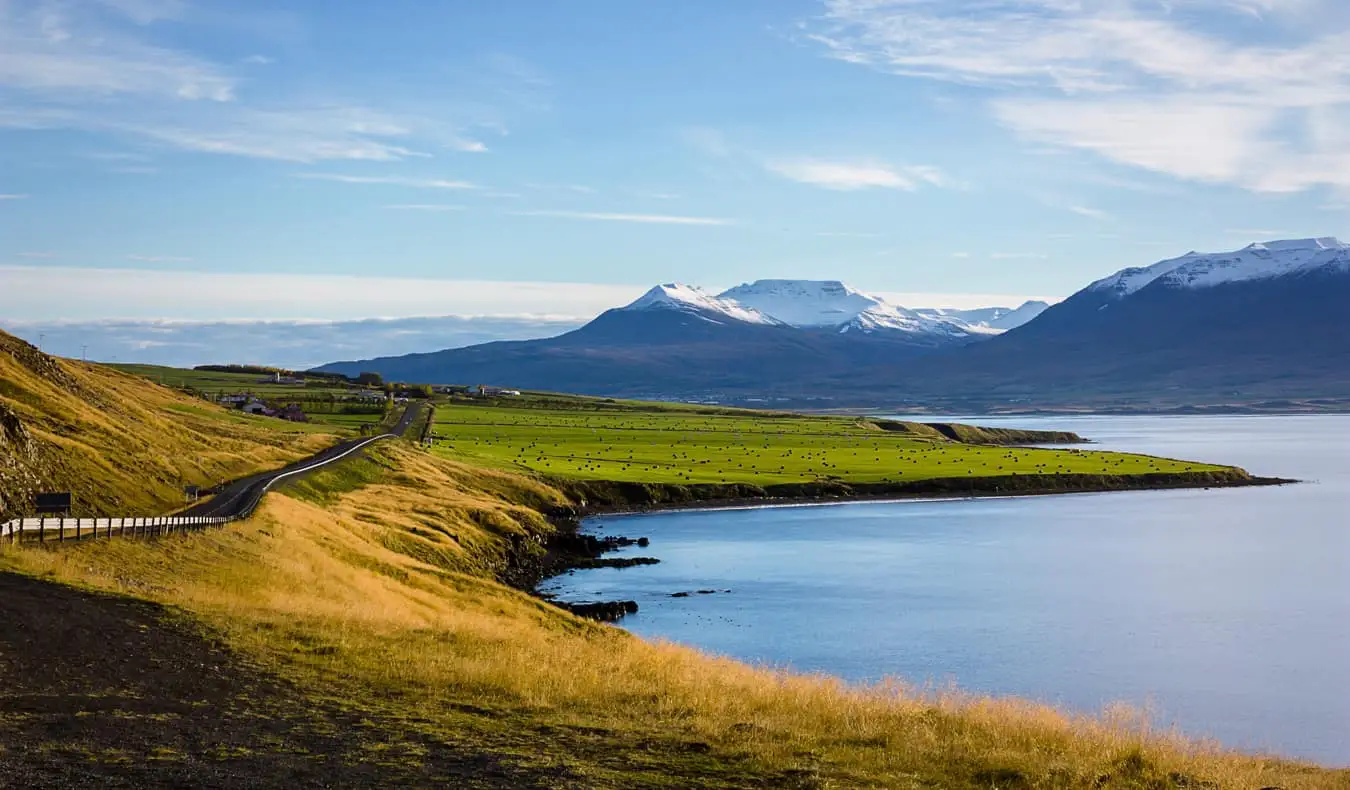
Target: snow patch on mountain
point(1253, 262)
point(804, 303)
point(830, 303)
point(691, 299)
point(990, 320)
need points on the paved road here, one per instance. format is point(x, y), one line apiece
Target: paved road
point(238, 498)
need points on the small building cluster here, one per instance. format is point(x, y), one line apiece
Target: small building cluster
point(290, 411)
point(484, 391)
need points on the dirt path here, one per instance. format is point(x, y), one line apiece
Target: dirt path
point(103, 691)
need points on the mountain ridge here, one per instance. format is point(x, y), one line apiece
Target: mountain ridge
point(1207, 328)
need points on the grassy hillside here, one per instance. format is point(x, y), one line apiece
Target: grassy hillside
point(121, 444)
point(683, 446)
point(371, 588)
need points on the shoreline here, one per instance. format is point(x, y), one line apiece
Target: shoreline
point(759, 503)
point(571, 549)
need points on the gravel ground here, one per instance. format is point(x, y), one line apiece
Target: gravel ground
point(104, 691)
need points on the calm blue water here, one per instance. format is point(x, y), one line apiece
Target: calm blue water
point(1226, 612)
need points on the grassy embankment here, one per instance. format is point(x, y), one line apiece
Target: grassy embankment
point(121, 446)
point(371, 586)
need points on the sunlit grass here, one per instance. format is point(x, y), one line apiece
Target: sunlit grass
point(374, 588)
point(691, 447)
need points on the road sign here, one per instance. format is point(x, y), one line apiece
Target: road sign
point(55, 502)
point(192, 492)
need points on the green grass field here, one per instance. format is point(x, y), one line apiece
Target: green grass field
point(226, 383)
point(682, 445)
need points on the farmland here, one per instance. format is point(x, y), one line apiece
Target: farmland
point(649, 444)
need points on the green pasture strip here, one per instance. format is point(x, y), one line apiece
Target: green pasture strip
point(227, 383)
point(690, 446)
point(239, 418)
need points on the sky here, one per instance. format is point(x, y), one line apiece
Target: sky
point(537, 162)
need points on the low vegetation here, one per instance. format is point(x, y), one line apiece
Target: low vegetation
point(121, 445)
point(372, 587)
point(685, 446)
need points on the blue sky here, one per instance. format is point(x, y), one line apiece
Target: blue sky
point(343, 159)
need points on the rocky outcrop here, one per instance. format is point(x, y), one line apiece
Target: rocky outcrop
point(19, 458)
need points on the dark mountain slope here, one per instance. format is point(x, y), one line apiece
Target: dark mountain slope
point(1272, 338)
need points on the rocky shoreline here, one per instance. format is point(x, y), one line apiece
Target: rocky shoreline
point(569, 549)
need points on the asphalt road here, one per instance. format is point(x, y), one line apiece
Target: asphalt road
point(238, 498)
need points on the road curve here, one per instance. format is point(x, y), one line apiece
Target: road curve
point(240, 497)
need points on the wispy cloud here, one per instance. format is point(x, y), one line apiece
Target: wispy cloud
point(852, 176)
point(159, 258)
point(41, 255)
point(844, 234)
point(651, 219)
point(403, 181)
point(1183, 94)
point(76, 66)
point(1091, 213)
point(423, 207)
point(580, 189)
point(12, 196)
point(39, 291)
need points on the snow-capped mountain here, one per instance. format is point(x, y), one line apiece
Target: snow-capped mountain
point(992, 320)
point(1258, 324)
point(691, 299)
point(1258, 261)
point(832, 304)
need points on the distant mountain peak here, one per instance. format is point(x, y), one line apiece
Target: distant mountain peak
point(690, 298)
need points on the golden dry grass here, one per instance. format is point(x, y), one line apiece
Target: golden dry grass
point(380, 596)
point(121, 444)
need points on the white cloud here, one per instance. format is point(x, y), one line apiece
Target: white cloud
point(291, 344)
point(1091, 213)
point(850, 176)
point(41, 255)
point(159, 258)
point(423, 207)
point(960, 255)
point(844, 234)
point(12, 196)
point(421, 183)
point(651, 219)
point(41, 292)
point(74, 66)
point(1180, 88)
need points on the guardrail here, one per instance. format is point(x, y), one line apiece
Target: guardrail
point(62, 529)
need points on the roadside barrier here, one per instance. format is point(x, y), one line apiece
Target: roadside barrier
point(237, 505)
point(59, 529)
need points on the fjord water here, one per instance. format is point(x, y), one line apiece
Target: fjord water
point(1224, 612)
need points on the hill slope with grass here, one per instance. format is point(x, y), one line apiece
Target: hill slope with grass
point(121, 444)
point(369, 590)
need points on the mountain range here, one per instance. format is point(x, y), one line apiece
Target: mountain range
point(1256, 324)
